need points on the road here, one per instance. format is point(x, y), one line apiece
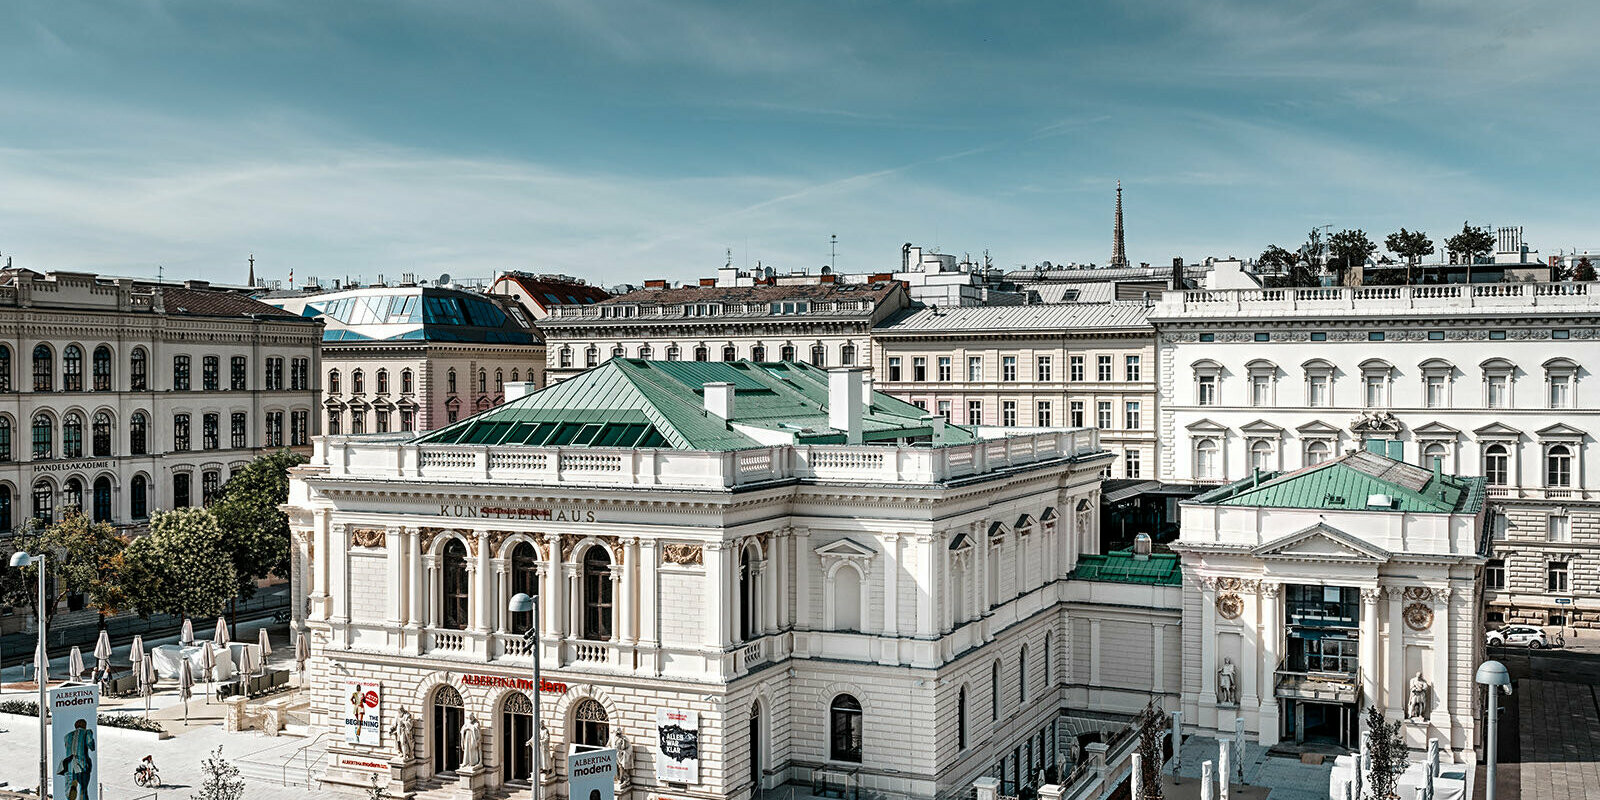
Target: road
point(1549, 745)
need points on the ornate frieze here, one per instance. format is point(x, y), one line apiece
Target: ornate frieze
point(1418, 616)
point(368, 537)
point(683, 554)
point(1229, 605)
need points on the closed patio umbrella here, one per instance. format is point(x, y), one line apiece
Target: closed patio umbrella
point(102, 654)
point(247, 666)
point(185, 686)
point(75, 663)
point(266, 646)
point(302, 654)
point(220, 635)
point(136, 652)
point(186, 637)
point(208, 666)
point(147, 679)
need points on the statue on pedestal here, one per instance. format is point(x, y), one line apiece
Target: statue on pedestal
point(1418, 707)
point(624, 750)
point(471, 743)
point(402, 731)
point(1227, 690)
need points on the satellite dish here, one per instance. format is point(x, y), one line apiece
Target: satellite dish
point(444, 280)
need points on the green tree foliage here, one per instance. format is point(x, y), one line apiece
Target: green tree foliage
point(1290, 267)
point(1386, 747)
point(1470, 244)
point(1349, 249)
point(1411, 246)
point(1583, 270)
point(256, 533)
point(84, 558)
point(221, 779)
point(182, 567)
point(1153, 754)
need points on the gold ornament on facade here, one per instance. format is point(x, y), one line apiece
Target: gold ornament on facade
point(368, 537)
point(1418, 616)
point(1230, 606)
point(686, 554)
point(1418, 593)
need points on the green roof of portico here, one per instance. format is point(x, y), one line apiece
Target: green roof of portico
point(1346, 483)
point(1122, 566)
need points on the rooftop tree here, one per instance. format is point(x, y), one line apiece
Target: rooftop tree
point(1469, 245)
point(1411, 246)
point(1349, 249)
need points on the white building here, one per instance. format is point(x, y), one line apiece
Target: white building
point(538, 294)
point(1488, 379)
point(1313, 594)
point(838, 586)
point(120, 397)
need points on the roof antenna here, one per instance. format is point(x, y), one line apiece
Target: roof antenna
point(729, 262)
point(833, 251)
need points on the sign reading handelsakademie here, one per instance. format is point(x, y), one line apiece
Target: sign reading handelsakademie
point(678, 746)
point(75, 764)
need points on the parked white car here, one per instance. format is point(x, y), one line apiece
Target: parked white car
point(1517, 636)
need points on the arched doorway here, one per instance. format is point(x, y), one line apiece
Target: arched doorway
point(447, 718)
point(102, 499)
point(756, 755)
point(516, 732)
point(590, 726)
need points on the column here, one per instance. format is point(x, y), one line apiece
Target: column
point(780, 577)
point(804, 564)
point(716, 633)
point(483, 598)
point(340, 590)
point(947, 589)
point(418, 589)
point(1369, 641)
point(648, 562)
point(980, 547)
point(769, 589)
point(891, 584)
point(502, 594)
point(394, 550)
point(1158, 658)
point(1271, 634)
point(1442, 630)
point(550, 594)
point(925, 584)
point(1094, 654)
point(628, 631)
point(1208, 653)
point(619, 603)
point(1395, 655)
point(575, 599)
point(430, 564)
point(1249, 656)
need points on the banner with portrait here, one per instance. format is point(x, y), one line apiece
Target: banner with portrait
point(74, 737)
point(363, 713)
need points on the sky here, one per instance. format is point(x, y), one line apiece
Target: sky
point(619, 140)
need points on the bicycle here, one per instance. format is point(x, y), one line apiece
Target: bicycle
point(147, 777)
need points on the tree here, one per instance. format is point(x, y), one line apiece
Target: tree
point(1289, 267)
point(1386, 750)
point(83, 559)
point(1469, 245)
point(221, 779)
point(1349, 249)
point(1154, 757)
point(181, 568)
point(1411, 246)
point(1583, 271)
point(256, 532)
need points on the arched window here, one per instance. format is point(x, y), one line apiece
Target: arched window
point(757, 763)
point(994, 689)
point(499, 382)
point(758, 353)
point(333, 381)
point(730, 353)
point(407, 382)
point(210, 373)
point(514, 378)
point(43, 369)
point(102, 369)
point(847, 355)
point(618, 351)
point(590, 726)
point(673, 353)
point(846, 599)
point(961, 719)
point(749, 627)
point(5, 508)
point(138, 370)
point(1434, 454)
point(1317, 452)
point(450, 382)
point(1496, 465)
point(565, 356)
point(457, 582)
point(44, 502)
point(1261, 456)
point(72, 435)
point(358, 382)
point(702, 353)
point(591, 357)
point(138, 428)
point(5, 440)
point(516, 731)
point(447, 719)
point(524, 579)
point(102, 499)
point(43, 432)
point(1558, 466)
point(597, 593)
point(1022, 675)
point(102, 434)
point(819, 355)
point(5, 368)
point(645, 352)
point(210, 482)
point(139, 491)
point(383, 381)
point(786, 353)
point(845, 729)
point(1205, 459)
point(72, 496)
point(483, 381)
point(72, 368)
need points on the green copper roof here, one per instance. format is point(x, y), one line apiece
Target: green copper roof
point(629, 402)
point(1120, 566)
point(1346, 484)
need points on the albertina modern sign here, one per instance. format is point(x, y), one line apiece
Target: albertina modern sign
point(592, 775)
point(678, 746)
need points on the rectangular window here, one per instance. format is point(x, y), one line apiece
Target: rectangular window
point(210, 378)
point(894, 368)
point(1102, 368)
point(1263, 337)
point(1008, 368)
point(1435, 336)
point(1556, 577)
point(1561, 333)
point(180, 373)
point(1131, 413)
point(974, 412)
point(1494, 574)
point(919, 368)
point(1497, 336)
point(1435, 391)
point(1044, 365)
point(1130, 464)
point(180, 431)
point(1557, 529)
point(180, 490)
point(1319, 336)
point(1008, 413)
point(944, 410)
point(1075, 411)
point(1260, 390)
point(1375, 336)
point(1075, 368)
point(209, 433)
point(240, 372)
point(1374, 391)
point(333, 423)
point(922, 404)
point(274, 374)
point(1317, 391)
point(1561, 392)
point(1496, 391)
point(975, 368)
point(944, 369)
point(1211, 337)
point(1206, 390)
point(1042, 414)
point(1132, 369)
point(274, 436)
point(1102, 415)
point(238, 436)
point(408, 420)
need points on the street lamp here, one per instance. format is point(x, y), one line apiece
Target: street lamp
point(521, 603)
point(1493, 674)
point(18, 561)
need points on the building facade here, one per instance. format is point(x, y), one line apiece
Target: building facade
point(1041, 366)
point(1492, 380)
point(414, 358)
point(538, 294)
point(1314, 594)
point(822, 324)
point(120, 398)
point(805, 580)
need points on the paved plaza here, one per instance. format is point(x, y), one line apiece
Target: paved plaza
point(1550, 748)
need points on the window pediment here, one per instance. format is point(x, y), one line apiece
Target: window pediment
point(1561, 430)
point(1376, 366)
point(1206, 426)
point(1497, 366)
point(1560, 366)
point(1497, 430)
point(1261, 427)
point(1437, 366)
point(1318, 366)
point(1206, 366)
point(846, 550)
point(1318, 428)
point(1262, 366)
point(1436, 430)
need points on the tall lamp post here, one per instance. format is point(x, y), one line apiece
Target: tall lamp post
point(521, 603)
point(23, 560)
point(1493, 674)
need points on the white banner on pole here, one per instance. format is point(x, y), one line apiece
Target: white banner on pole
point(74, 734)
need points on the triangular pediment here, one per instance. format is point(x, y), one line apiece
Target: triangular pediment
point(1322, 542)
point(1560, 430)
point(1262, 427)
point(1498, 430)
point(1319, 428)
point(1436, 430)
point(961, 542)
point(1206, 426)
point(844, 548)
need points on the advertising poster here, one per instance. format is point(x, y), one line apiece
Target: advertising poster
point(75, 762)
point(678, 745)
point(363, 714)
point(592, 775)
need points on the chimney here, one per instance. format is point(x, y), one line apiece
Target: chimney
point(1141, 547)
point(516, 390)
point(719, 400)
point(1177, 273)
point(844, 402)
point(866, 392)
point(655, 284)
point(708, 282)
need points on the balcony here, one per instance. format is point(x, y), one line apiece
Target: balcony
point(1320, 687)
point(1377, 300)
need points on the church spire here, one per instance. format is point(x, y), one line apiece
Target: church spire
point(252, 279)
point(1119, 253)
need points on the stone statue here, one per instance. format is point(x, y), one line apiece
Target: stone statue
point(624, 750)
point(1227, 691)
point(402, 730)
point(1075, 749)
point(547, 763)
point(471, 743)
point(1418, 707)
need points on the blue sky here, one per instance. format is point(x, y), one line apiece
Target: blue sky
point(628, 140)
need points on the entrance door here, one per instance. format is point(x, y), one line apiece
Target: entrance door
point(516, 731)
point(755, 746)
point(1321, 723)
point(447, 719)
